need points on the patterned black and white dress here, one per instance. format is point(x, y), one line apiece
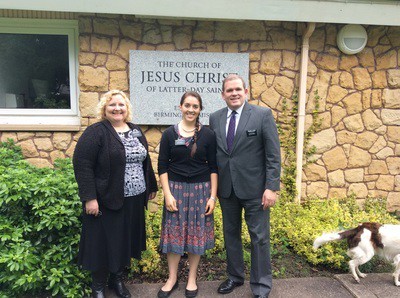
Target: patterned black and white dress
point(134, 191)
point(135, 155)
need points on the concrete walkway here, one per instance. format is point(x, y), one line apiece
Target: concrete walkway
point(340, 286)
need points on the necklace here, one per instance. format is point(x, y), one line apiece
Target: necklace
point(188, 131)
point(122, 128)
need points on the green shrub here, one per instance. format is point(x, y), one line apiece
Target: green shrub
point(297, 226)
point(150, 264)
point(39, 228)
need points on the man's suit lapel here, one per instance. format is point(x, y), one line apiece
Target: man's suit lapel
point(244, 118)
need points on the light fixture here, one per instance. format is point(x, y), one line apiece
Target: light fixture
point(352, 39)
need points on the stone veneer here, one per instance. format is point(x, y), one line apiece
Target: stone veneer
point(358, 145)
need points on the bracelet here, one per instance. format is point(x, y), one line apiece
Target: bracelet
point(212, 198)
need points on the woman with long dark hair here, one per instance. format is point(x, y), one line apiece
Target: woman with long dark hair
point(188, 175)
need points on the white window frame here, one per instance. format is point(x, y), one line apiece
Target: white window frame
point(46, 119)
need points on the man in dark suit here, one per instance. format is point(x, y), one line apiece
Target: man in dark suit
point(249, 163)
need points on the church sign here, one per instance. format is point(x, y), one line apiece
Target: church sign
point(158, 79)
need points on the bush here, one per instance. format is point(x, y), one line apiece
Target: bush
point(39, 228)
point(297, 226)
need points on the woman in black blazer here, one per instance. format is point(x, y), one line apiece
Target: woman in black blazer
point(115, 179)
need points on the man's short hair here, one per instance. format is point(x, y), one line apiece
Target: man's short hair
point(232, 77)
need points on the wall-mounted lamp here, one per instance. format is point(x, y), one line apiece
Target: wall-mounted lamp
point(352, 39)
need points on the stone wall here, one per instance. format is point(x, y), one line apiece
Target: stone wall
point(358, 145)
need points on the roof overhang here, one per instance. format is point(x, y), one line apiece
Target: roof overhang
point(383, 12)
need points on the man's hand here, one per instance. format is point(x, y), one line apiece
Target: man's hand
point(269, 198)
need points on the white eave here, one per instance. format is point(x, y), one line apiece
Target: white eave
point(378, 12)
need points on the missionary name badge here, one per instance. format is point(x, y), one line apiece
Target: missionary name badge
point(136, 133)
point(251, 132)
point(179, 142)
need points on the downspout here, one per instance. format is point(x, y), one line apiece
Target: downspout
point(302, 107)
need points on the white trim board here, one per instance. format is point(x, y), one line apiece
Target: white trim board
point(384, 12)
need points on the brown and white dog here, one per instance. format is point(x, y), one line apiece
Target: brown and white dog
point(364, 242)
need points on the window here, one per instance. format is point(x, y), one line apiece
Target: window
point(38, 71)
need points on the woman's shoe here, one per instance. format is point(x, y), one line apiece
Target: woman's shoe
point(115, 282)
point(165, 294)
point(99, 280)
point(191, 293)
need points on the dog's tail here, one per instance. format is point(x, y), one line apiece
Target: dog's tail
point(328, 237)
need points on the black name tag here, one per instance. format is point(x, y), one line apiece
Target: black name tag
point(179, 142)
point(136, 133)
point(251, 132)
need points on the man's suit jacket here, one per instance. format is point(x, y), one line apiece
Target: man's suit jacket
point(254, 162)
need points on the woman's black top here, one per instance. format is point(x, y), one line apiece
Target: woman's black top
point(99, 164)
point(174, 157)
